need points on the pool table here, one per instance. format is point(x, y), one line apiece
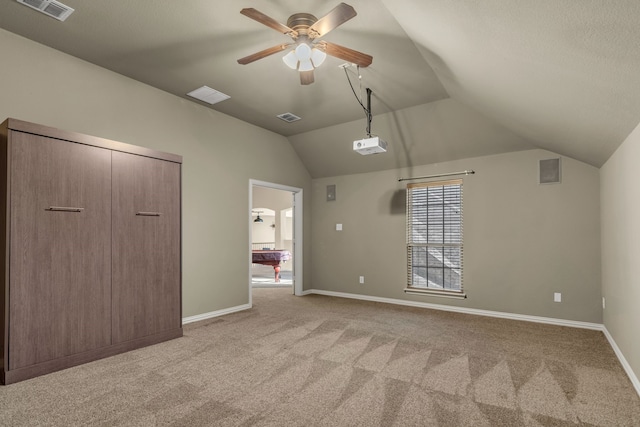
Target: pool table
point(272, 257)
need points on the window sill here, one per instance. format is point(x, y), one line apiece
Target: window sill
point(435, 293)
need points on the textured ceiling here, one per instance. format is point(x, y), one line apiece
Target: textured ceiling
point(450, 79)
point(563, 74)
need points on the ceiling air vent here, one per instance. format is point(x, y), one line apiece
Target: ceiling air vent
point(49, 7)
point(288, 117)
point(208, 95)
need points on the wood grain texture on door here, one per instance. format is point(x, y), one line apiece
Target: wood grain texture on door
point(60, 266)
point(146, 246)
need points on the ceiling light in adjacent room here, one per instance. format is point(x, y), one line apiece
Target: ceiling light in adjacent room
point(208, 95)
point(258, 219)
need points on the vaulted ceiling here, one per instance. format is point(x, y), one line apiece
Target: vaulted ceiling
point(450, 79)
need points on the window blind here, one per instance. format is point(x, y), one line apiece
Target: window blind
point(434, 236)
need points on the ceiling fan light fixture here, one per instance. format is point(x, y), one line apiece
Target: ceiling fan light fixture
point(303, 52)
point(306, 30)
point(317, 57)
point(305, 65)
point(291, 60)
point(304, 58)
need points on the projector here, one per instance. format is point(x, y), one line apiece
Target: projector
point(370, 146)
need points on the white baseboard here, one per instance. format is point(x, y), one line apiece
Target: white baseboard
point(216, 313)
point(478, 312)
point(632, 375)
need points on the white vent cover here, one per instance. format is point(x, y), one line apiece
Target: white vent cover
point(49, 7)
point(288, 117)
point(550, 171)
point(208, 95)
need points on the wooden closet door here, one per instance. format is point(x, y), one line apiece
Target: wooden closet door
point(60, 266)
point(146, 246)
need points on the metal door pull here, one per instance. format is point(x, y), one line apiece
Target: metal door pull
point(148, 214)
point(63, 209)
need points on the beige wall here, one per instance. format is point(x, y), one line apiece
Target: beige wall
point(620, 204)
point(522, 241)
point(429, 133)
point(221, 155)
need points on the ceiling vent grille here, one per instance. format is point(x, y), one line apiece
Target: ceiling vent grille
point(49, 7)
point(288, 117)
point(208, 95)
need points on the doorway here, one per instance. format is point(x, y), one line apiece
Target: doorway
point(275, 236)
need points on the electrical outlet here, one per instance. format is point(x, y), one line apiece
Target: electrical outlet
point(557, 297)
point(338, 227)
point(361, 279)
point(604, 304)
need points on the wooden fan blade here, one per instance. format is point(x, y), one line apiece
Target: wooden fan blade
point(306, 77)
point(263, 54)
point(350, 55)
point(268, 21)
point(338, 16)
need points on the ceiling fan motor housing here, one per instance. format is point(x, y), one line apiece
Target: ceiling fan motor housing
point(300, 22)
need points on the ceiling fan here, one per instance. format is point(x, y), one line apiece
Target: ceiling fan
point(307, 51)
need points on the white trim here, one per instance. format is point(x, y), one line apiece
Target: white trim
point(297, 242)
point(478, 312)
point(250, 279)
point(274, 186)
point(297, 232)
point(632, 376)
point(217, 313)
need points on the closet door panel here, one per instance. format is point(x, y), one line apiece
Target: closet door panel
point(60, 264)
point(146, 246)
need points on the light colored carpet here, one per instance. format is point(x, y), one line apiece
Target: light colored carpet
point(323, 361)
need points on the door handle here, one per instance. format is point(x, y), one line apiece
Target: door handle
point(63, 209)
point(148, 214)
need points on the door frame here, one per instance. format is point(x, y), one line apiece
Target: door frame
point(297, 231)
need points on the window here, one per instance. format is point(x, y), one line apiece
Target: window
point(434, 237)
